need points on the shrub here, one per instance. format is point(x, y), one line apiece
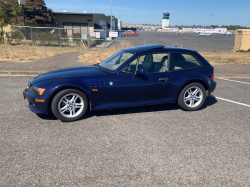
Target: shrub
point(9, 37)
point(44, 37)
point(55, 37)
point(17, 34)
point(92, 42)
point(66, 40)
point(1, 36)
point(76, 37)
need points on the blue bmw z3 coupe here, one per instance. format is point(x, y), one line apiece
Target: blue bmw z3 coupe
point(144, 75)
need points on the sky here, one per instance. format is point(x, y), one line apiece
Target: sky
point(182, 12)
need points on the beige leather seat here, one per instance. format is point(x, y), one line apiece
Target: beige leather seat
point(147, 63)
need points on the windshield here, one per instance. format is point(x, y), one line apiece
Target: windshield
point(113, 62)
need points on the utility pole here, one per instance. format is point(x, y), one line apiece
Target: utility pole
point(124, 14)
point(23, 16)
point(212, 19)
point(23, 3)
point(111, 16)
point(121, 10)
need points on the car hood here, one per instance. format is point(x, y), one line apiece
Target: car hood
point(71, 72)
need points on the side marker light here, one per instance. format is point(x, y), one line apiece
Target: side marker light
point(39, 100)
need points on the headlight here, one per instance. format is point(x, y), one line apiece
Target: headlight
point(36, 91)
point(28, 87)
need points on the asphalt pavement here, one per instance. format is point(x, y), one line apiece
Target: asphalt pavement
point(158, 145)
point(214, 42)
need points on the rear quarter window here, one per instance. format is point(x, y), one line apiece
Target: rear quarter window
point(181, 61)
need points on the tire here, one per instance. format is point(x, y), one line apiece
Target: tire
point(123, 35)
point(135, 35)
point(66, 108)
point(193, 101)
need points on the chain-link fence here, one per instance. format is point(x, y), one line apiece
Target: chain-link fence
point(46, 36)
point(58, 36)
point(103, 38)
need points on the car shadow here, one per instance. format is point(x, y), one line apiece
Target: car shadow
point(49, 116)
point(211, 100)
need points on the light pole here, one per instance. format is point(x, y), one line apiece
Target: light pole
point(121, 10)
point(212, 19)
point(23, 3)
point(111, 15)
point(124, 14)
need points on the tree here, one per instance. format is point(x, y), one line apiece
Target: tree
point(36, 12)
point(10, 11)
point(234, 27)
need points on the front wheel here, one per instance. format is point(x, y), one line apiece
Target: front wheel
point(69, 105)
point(192, 97)
point(135, 35)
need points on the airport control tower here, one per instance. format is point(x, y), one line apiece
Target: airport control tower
point(165, 20)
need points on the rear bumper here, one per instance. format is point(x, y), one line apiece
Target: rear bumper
point(212, 86)
point(36, 107)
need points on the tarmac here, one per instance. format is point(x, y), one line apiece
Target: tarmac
point(213, 42)
point(158, 145)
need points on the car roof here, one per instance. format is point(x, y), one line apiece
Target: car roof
point(146, 48)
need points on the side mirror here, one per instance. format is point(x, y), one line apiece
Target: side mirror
point(140, 71)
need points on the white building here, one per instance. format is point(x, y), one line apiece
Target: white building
point(165, 20)
point(220, 30)
point(119, 24)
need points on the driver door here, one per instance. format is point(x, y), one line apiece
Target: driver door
point(154, 85)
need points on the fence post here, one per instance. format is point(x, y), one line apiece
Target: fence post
point(105, 37)
point(31, 36)
point(88, 37)
point(60, 37)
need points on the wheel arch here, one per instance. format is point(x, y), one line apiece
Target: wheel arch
point(202, 82)
point(64, 88)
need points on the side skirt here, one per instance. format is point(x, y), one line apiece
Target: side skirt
point(129, 104)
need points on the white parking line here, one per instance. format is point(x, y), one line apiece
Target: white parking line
point(232, 101)
point(234, 81)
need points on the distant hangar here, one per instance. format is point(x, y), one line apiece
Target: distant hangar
point(79, 21)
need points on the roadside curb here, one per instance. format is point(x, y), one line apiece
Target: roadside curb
point(100, 46)
point(110, 43)
point(21, 73)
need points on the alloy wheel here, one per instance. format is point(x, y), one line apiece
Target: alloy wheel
point(193, 97)
point(71, 105)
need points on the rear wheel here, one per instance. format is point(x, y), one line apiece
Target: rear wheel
point(69, 105)
point(192, 97)
point(123, 35)
point(135, 35)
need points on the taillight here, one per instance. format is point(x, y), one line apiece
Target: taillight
point(212, 76)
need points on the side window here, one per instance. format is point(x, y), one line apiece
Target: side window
point(179, 61)
point(130, 68)
point(154, 63)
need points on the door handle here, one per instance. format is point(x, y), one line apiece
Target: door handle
point(163, 79)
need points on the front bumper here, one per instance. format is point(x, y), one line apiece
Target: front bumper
point(36, 107)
